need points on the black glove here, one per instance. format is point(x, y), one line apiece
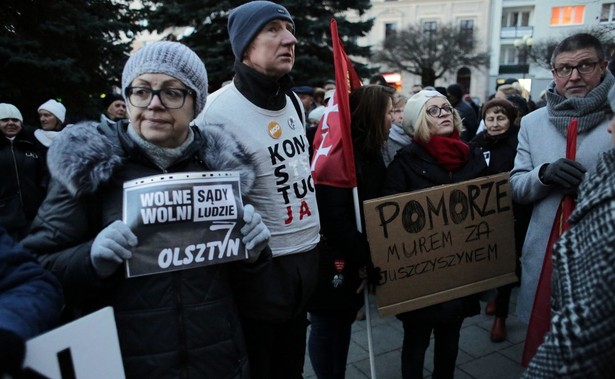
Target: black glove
point(564, 172)
point(12, 352)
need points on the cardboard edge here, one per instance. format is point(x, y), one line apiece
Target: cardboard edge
point(436, 298)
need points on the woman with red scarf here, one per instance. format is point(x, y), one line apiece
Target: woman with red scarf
point(436, 156)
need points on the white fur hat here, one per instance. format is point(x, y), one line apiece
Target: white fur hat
point(9, 111)
point(413, 108)
point(55, 108)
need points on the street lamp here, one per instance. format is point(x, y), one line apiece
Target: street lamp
point(524, 47)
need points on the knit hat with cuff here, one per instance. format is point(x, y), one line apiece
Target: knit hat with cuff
point(9, 111)
point(509, 109)
point(247, 20)
point(413, 108)
point(55, 108)
point(110, 98)
point(173, 59)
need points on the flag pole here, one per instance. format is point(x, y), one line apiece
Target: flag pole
point(337, 140)
point(368, 317)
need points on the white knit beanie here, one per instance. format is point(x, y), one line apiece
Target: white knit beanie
point(55, 108)
point(173, 59)
point(9, 111)
point(413, 108)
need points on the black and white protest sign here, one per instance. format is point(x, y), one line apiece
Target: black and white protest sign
point(184, 220)
point(87, 348)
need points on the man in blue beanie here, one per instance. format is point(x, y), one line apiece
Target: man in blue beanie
point(259, 109)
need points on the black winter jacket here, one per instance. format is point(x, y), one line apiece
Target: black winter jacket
point(414, 169)
point(343, 249)
point(183, 324)
point(501, 150)
point(22, 188)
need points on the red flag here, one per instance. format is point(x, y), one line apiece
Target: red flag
point(540, 319)
point(333, 159)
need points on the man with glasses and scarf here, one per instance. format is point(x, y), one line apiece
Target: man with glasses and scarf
point(542, 174)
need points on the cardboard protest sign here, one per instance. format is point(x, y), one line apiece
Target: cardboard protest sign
point(184, 220)
point(441, 243)
point(87, 348)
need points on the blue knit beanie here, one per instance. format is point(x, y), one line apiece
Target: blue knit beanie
point(247, 20)
point(173, 59)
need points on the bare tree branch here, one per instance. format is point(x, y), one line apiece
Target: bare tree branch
point(430, 55)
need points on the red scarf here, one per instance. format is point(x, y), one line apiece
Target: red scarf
point(450, 152)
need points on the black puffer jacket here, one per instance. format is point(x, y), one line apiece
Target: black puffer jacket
point(22, 188)
point(414, 169)
point(502, 150)
point(344, 250)
point(182, 324)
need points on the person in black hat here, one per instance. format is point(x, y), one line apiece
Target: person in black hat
point(454, 93)
point(306, 94)
point(114, 108)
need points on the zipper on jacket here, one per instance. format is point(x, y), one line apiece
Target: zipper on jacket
point(16, 173)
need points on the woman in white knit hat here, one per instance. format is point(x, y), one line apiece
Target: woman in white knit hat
point(51, 115)
point(175, 324)
point(436, 156)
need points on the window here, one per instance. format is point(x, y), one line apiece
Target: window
point(572, 15)
point(508, 55)
point(466, 32)
point(429, 30)
point(608, 13)
point(512, 19)
point(390, 29)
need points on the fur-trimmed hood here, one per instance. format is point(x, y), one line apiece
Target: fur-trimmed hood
point(83, 157)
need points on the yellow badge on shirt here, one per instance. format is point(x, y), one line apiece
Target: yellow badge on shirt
point(275, 130)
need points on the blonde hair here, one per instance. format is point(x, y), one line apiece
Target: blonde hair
point(399, 100)
point(421, 129)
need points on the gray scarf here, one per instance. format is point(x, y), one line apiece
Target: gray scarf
point(589, 110)
point(162, 156)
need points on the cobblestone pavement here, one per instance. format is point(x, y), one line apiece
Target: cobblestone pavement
point(478, 358)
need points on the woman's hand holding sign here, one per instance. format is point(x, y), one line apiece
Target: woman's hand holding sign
point(255, 233)
point(111, 247)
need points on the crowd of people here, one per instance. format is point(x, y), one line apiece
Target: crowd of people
point(308, 259)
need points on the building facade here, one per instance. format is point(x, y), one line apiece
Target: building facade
point(524, 25)
point(472, 16)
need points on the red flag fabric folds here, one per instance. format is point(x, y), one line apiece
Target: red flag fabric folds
point(333, 159)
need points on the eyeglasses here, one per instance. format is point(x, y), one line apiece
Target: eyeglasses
point(583, 68)
point(436, 111)
point(171, 98)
